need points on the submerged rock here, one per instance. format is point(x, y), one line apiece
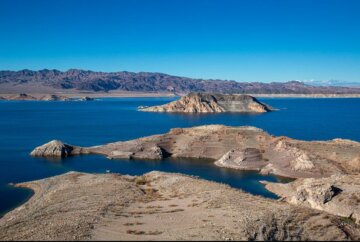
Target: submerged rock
point(212, 103)
point(54, 148)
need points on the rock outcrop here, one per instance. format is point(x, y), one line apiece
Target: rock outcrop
point(245, 148)
point(21, 97)
point(212, 103)
point(146, 152)
point(54, 148)
point(52, 97)
point(86, 98)
point(337, 194)
point(41, 97)
point(246, 159)
point(161, 206)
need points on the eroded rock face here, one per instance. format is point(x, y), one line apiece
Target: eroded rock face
point(54, 148)
point(212, 103)
point(300, 160)
point(249, 159)
point(317, 196)
point(337, 194)
point(153, 152)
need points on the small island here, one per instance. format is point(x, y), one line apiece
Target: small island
point(212, 103)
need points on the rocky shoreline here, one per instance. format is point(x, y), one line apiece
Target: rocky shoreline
point(244, 147)
point(45, 97)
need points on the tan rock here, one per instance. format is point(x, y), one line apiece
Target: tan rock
point(54, 148)
point(52, 97)
point(247, 159)
point(211, 103)
point(246, 148)
point(337, 194)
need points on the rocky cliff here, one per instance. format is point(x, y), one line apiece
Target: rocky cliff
point(212, 103)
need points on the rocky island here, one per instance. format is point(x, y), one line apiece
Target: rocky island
point(212, 103)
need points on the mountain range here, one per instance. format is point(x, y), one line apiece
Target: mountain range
point(47, 81)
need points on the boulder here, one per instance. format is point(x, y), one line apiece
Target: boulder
point(152, 153)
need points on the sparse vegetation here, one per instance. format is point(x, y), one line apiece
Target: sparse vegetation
point(140, 180)
point(139, 232)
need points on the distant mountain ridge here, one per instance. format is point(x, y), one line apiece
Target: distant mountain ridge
point(83, 80)
point(336, 83)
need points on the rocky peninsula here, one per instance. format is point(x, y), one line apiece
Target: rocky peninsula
point(212, 103)
point(161, 206)
point(246, 148)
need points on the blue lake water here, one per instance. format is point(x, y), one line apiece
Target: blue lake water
point(27, 124)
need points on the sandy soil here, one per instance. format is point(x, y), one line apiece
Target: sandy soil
point(161, 206)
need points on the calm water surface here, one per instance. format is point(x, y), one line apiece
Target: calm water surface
point(25, 125)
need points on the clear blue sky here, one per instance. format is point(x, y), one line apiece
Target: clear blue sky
point(252, 40)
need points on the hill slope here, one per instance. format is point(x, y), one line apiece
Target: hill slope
point(81, 80)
